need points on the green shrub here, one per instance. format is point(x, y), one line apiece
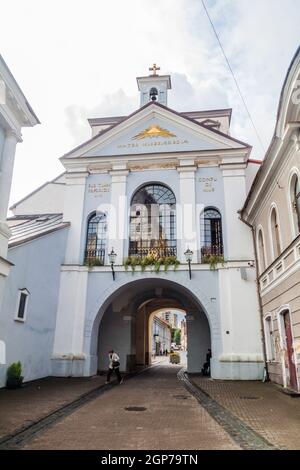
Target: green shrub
point(14, 371)
point(153, 260)
point(90, 262)
point(213, 260)
point(14, 378)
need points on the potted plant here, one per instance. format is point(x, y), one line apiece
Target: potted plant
point(14, 377)
point(174, 358)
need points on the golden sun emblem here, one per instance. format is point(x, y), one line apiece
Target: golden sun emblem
point(153, 131)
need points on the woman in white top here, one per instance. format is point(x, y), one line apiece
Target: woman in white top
point(114, 366)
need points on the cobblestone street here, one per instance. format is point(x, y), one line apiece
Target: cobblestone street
point(152, 410)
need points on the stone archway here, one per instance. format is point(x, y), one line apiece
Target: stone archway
point(124, 322)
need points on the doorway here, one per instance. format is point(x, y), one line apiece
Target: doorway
point(289, 359)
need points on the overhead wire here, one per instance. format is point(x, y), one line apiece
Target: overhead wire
point(233, 76)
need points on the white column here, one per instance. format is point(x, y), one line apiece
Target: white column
point(238, 235)
point(73, 213)
point(186, 213)
point(118, 214)
point(68, 356)
point(6, 171)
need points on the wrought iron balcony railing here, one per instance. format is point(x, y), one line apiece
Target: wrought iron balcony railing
point(145, 251)
point(94, 257)
point(215, 250)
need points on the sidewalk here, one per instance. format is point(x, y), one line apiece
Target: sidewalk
point(262, 406)
point(21, 407)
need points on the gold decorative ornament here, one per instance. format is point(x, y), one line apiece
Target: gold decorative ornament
point(153, 131)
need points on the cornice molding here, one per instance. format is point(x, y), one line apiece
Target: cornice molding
point(268, 181)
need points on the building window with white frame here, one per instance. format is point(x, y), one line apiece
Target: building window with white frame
point(153, 221)
point(295, 199)
point(270, 349)
point(22, 305)
point(261, 251)
point(275, 234)
point(211, 232)
point(96, 239)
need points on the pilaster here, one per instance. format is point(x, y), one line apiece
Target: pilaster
point(238, 235)
point(118, 213)
point(6, 171)
point(73, 213)
point(186, 213)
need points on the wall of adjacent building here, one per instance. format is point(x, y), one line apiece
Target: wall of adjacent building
point(278, 194)
point(37, 268)
point(286, 293)
point(280, 280)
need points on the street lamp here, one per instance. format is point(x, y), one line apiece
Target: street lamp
point(112, 259)
point(188, 257)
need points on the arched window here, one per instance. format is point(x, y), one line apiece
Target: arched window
point(295, 199)
point(96, 239)
point(211, 232)
point(153, 221)
point(261, 252)
point(275, 234)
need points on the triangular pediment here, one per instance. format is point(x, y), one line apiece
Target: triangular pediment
point(155, 129)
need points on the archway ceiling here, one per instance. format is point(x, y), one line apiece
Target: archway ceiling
point(155, 294)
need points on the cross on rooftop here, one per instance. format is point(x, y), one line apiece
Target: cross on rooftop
point(154, 69)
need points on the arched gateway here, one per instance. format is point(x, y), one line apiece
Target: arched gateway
point(123, 323)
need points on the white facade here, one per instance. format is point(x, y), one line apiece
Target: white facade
point(202, 171)
point(15, 113)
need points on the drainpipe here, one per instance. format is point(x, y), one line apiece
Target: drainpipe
point(262, 330)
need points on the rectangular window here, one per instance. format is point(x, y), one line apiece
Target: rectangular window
point(22, 305)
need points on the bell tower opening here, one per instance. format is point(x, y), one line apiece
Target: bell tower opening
point(154, 87)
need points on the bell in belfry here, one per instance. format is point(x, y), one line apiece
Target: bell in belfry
point(153, 94)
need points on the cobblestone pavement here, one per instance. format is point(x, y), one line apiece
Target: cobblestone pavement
point(262, 406)
point(21, 407)
point(164, 416)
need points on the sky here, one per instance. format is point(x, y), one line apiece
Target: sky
point(77, 59)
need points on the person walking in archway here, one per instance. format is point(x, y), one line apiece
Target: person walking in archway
point(206, 365)
point(114, 366)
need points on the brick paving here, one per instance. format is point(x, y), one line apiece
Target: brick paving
point(255, 413)
point(22, 407)
point(173, 419)
point(262, 406)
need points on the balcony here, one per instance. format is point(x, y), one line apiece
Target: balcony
point(143, 252)
point(154, 257)
point(281, 267)
point(94, 257)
